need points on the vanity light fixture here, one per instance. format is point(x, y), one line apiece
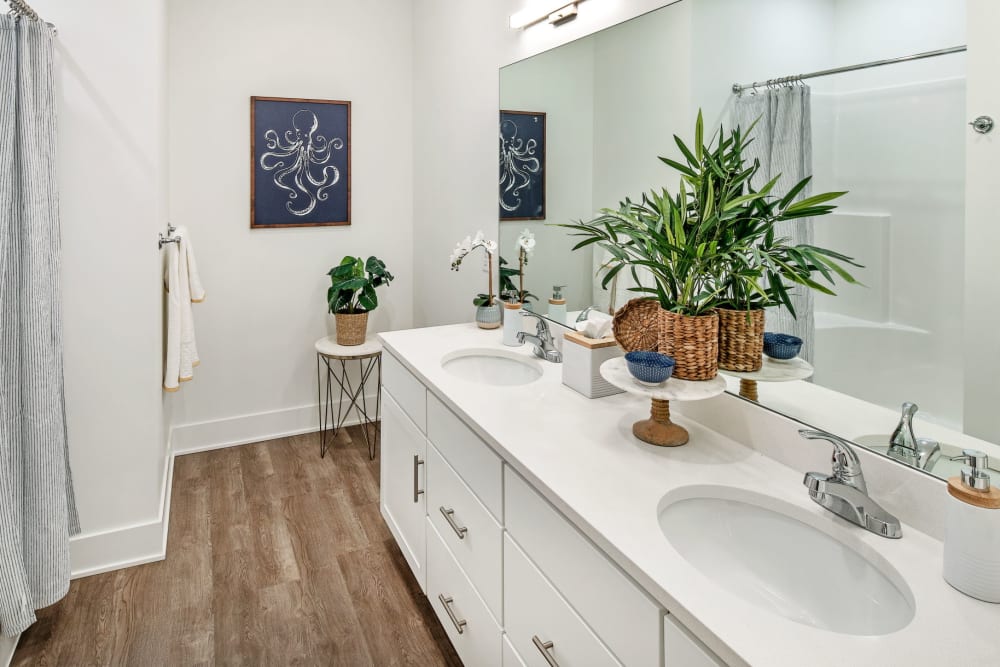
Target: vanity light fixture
point(555, 13)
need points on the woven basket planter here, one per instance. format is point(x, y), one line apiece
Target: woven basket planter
point(693, 342)
point(741, 339)
point(351, 328)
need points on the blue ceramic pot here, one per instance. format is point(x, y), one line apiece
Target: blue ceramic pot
point(781, 346)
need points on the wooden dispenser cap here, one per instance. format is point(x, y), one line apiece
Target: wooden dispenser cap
point(989, 499)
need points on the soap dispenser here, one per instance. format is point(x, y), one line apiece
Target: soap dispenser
point(557, 304)
point(972, 534)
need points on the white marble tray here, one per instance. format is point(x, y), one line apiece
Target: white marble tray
point(616, 372)
point(776, 371)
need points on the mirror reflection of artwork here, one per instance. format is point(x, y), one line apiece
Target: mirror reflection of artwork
point(301, 153)
point(522, 165)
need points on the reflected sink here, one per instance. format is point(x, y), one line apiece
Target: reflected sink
point(493, 367)
point(754, 547)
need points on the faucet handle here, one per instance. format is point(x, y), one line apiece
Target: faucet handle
point(974, 474)
point(846, 464)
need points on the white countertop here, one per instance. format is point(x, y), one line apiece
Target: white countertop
point(580, 453)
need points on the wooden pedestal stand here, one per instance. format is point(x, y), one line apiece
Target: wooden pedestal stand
point(770, 371)
point(658, 429)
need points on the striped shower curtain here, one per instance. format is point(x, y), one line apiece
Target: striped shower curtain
point(782, 141)
point(37, 508)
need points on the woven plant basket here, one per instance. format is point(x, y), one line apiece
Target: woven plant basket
point(741, 339)
point(351, 328)
point(636, 325)
point(693, 342)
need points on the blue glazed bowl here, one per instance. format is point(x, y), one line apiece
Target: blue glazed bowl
point(781, 346)
point(650, 368)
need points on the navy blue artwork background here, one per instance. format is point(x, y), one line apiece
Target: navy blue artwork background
point(270, 201)
point(532, 205)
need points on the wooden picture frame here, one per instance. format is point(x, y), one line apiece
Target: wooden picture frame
point(300, 162)
point(522, 173)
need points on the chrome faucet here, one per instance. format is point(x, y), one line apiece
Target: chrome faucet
point(845, 492)
point(545, 345)
point(905, 446)
point(583, 313)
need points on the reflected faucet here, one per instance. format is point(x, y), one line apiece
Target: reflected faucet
point(905, 446)
point(845, 492)
point(545, 345)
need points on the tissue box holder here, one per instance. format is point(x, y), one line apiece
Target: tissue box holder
point(581, 366)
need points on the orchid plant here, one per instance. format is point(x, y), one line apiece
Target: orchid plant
point(525, 246)
point(462, 250)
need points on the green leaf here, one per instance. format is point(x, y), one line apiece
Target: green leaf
point(815, 199)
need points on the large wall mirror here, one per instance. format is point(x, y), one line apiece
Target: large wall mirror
point(893, 136)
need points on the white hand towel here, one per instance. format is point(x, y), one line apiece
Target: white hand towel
point(183, 287)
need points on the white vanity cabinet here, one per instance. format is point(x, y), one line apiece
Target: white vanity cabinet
point(512, 581)
point(403, 499)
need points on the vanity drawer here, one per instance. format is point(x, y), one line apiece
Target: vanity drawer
point(621, 613)
point(470, 531)
point(409, 392)
point(463, 614)
point(537, 614)
point(471, 458)
point(680, 649)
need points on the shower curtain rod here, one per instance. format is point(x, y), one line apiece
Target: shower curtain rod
point(737, 88)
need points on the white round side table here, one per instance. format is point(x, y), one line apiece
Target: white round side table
point(336, 358)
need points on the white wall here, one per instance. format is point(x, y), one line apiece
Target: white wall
point(982, 233)
point(111, 71)
point(266, 288)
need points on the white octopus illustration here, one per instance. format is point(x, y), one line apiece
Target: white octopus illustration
point(517, 165)
point(292, 162)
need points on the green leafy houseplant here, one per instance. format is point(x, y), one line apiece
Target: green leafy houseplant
point(351, 295)
point(713, 243)
point(353, 284)
point(758, 267)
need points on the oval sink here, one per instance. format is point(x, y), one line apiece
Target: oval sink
point(493, 367)
point(783, 565)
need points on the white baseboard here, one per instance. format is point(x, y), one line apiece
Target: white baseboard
point(117, 548)
point(7, 647)
point(245, 429)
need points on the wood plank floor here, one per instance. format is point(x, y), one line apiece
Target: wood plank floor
point(275, 557)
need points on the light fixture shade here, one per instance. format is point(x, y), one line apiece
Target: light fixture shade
point(556, 11)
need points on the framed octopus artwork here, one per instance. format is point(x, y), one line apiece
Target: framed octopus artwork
point(301, 171)
point(522, 165)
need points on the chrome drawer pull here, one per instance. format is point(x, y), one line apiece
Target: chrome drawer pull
point(449, 516)
point(416, 478)
point(459, 625)
point(544, 648)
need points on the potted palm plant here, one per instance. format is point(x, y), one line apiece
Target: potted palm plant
point(761, 267)
point(351, 295)
point(711, 245)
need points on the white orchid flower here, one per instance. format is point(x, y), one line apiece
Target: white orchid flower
point(527, 241)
